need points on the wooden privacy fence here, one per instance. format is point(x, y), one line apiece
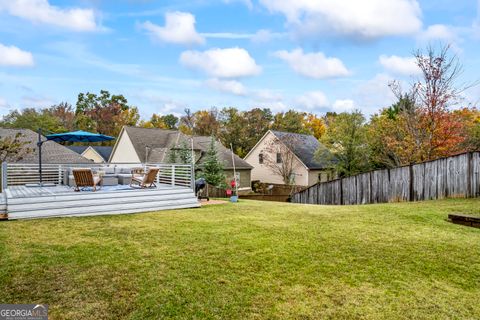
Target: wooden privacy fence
point(453, 177)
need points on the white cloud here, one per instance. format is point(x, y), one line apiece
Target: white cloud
point(221, 63)
point(248, 3)
point(313, 65)
point(179, 28)
point(3, 103)
point(438, 32)
point(264, 35)
point(312, 100)
point(374, 94)
point(13, 56)
point(363, 19)
point(40, 11)
point(346, 105)
point(228, 86)
point(405, 66)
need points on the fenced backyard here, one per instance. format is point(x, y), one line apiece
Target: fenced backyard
point(453, 177)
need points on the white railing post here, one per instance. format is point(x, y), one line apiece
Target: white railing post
point(4, 176)
point(173, 174)
point(60, 174)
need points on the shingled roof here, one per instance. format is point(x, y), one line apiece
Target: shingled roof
point(52, 152)
point(159, 141)
point(303, 146)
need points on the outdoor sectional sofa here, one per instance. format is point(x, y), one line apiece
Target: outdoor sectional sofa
point(112, 176)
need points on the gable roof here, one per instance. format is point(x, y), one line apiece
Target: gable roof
point(159, 141)
point(303, 146)
point(103, 151)
point(224, 154)
point(52, 152)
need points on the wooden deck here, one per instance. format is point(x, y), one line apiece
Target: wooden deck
point(21, 202)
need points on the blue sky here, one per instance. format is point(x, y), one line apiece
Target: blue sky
point(311, 55)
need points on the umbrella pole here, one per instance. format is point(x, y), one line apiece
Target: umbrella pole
point(39, 144)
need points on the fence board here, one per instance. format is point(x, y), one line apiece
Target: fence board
point(456, 176)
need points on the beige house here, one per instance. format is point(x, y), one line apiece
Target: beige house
point(152, 145)
point(278, 152)
point(98, 154)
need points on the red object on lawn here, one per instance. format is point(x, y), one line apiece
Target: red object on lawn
point(229, 192)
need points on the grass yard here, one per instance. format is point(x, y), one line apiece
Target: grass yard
point(251, 260)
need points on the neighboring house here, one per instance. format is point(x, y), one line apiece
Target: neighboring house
point(273, 149)
point(52, 152)
point(98, 154)
point(152, 145)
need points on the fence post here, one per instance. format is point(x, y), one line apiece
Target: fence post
point(173, 174)
point(341, 192)
point(470, 191)
point(411, 194)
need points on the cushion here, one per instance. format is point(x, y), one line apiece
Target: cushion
point(108, 170)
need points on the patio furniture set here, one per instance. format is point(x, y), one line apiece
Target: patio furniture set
point(81, 178)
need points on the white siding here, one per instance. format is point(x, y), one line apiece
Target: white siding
point(91, 154)
point(265, 174)
point(124, 150)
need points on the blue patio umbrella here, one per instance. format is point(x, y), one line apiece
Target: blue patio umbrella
point(79, 136)
point(74, 136)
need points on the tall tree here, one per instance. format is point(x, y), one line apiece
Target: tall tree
point(30, 118)
point(101, 113)
point(345, 138)
point(65, 113)
point(314, 125)
point(212, 167)
point(232, 129)
point(13, 148)
point(423, 127)
point(206, 122)
point(290, 121)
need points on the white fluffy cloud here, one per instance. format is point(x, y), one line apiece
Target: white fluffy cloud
point(13, 56)
point(41, 11)
point(3, 103)
point(179, 28)
point(363, 19)
point(227, 86)
point(405, 66)
point(312, 100)
point(343, 105)
point(439, 32)
point(313, 65)
point(221, 63)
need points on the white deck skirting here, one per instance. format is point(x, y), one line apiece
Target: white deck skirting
point(21, 202)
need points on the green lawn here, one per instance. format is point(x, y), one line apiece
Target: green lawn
point(251, 260)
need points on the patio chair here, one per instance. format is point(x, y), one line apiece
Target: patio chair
point(85, 178)
point(146, 180)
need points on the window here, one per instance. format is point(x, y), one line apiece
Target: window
point(260, 158)
point(279, 157)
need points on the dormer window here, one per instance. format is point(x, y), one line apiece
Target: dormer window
point(279, 157)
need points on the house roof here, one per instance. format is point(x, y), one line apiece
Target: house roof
point(103, 151)
point(303, 146)
point(52, 152)
point(224, 154)
point(159, 141)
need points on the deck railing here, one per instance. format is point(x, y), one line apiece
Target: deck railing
point(14, 174)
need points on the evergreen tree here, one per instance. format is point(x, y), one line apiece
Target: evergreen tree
point(212, 167)
point(185, 153)
point(171, 156)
